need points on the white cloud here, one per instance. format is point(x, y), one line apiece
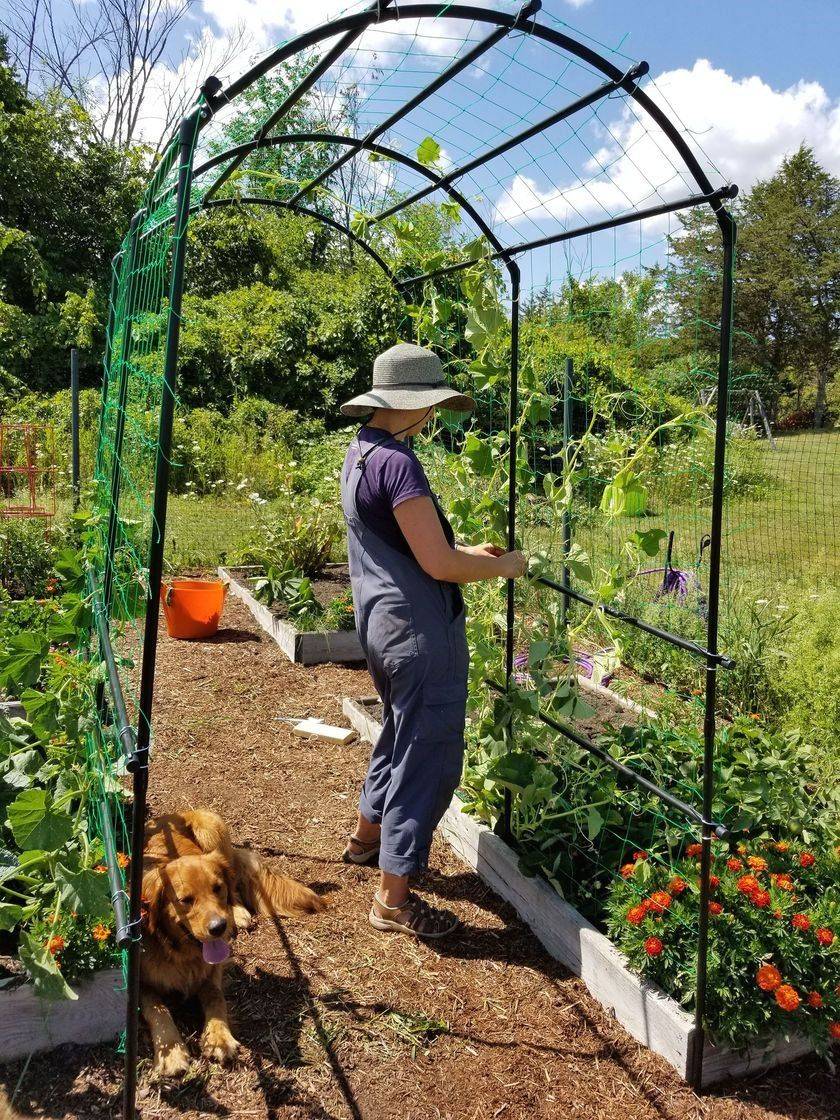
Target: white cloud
point(744, 125)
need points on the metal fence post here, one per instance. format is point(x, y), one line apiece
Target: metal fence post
point(513, 450)
point(74, 424)
point(187, 136)
point(729, 230)
point(568, 381)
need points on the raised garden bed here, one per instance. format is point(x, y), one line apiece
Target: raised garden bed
point(647, 1013)
point(307, 647)
point(29, 1024)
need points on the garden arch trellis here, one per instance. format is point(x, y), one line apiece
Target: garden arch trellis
point(142, 349)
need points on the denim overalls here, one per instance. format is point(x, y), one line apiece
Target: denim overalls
point(412, 629)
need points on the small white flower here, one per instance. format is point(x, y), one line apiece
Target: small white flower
point(762, 602)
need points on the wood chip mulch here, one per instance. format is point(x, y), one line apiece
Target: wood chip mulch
point(337, 1020)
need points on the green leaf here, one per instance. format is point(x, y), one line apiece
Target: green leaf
point(578, 564)
point(20, 666)
point(594, 822)
point(428, 151)
point(85, 891)
point(42, 968)
point(42, 709)
point(649, 541)
point(452, 210)
point(35, 824)
point(515, 769)
point(479, 453)
point(11, 915)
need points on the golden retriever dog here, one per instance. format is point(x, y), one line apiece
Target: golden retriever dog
point(198, 892)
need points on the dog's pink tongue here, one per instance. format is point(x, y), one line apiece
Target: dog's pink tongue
point(216, 951)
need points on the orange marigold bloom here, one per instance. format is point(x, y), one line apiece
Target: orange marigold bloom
point(782, 881)
point(636, 915)
point(777, 913)
point(100, 869)
point(55, 944)
point(714, 882)
point(677, 885)
point(123, 860)
point(757, 863)
point(640, 855)
point(807, 859)
point(834, 1031)
point(653, 946)
point(761, 899)
point(814, 999)
point(101, 932)
point(694, 850)
point(715, 908)
point(781, 846)
point(627, 870)
point(801, 922)
point(787, 997)
point(824, 936)
point(734, 864)
point(748, 883)
point(659, 902)
point(768, 978)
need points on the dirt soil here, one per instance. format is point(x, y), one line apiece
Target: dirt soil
point(337, 1020)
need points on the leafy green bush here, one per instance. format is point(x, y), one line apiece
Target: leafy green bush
point(28, 552)
point(774, 942)
point(294, 536)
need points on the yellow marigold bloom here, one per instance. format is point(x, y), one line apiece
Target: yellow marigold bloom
point(101, 932)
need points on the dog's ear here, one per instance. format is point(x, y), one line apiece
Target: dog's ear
point(222, 863)
point(152, 899)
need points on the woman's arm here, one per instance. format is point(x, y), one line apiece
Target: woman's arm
point(421, 527)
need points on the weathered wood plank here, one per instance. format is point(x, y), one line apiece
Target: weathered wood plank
point(29, 1024)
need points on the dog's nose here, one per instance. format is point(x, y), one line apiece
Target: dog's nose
point(217, 926)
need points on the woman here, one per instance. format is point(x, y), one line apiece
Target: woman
point(405, 570)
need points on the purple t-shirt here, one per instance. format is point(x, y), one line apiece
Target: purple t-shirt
point(392, 474)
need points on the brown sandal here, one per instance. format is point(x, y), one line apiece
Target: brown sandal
point(369, 851)
point(415, 917)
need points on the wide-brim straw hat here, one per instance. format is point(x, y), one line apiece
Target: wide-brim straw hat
point(408, 376)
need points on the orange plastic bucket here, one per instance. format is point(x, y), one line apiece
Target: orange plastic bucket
point(193, 607)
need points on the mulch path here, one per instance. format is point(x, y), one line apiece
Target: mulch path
point(336, 1020)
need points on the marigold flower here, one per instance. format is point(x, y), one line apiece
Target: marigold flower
point(783, 881)
point(757, 863)
point(734, 864)
point(123, 860)
point(834, 1031)
point(748, 883)
point(659, 902)
point(714, 882)
point(640, 855)
point(768, 978)
point(781, 846)
point(807, 859)
point(653, 946)
point(814, 999)
point(100, 869)
point(677, 885)
point(55, 944)
point(694, 850)
point(636, 915)
point(627, 870)
point(101, 932)
point(825, 936)
point(777, 913)
point(715, 908)
point(787, 997)
point(761, 899)
point(801, 922)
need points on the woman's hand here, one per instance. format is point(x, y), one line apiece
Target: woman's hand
point(481, 549)
point(512, 564)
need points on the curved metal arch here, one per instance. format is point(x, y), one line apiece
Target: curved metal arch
point(362, 146)
point(253, 200)
point(359, 20)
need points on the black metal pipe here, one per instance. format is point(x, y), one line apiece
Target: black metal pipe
point(122, 932)
point(513, 431)
point(632, 75)
point(124, 730)
point(627, 772)
point(716, 533)
point(187, 136)
point(119, 426)
point(455, 68)
point(74, 425)
point(568, 383)
point(582, 231)
point(300, 91)
point(250, 200)
point(631, 620)
point(116, 268)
